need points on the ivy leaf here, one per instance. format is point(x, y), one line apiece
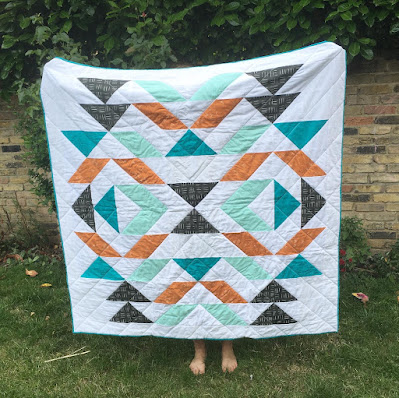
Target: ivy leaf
point(394, 28)
point(8, 41)
point(109, 44)
point(367, 53)
point(24, 22)
point(346, 16)
point(351, 27)
point(291, 23)
point(42, 34)
point(67, 26)
point(354, 49)
point(232, 6)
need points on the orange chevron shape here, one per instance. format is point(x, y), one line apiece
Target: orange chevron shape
point(224, 292)
point(97, 244)
point(245, 167)
point(146, 246)
point(139, 171)
point(248, 244)
point(174, 292)
point(215, 113)
point(300, 241)
point(300, 163)
point(160, 116)
point(88, 171)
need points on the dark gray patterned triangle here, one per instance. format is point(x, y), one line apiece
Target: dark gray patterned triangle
point(272, 106)
point(312, 202)
point(129, 314)
point(83, 207)
point(126, 292)
point(102, 88)
point(106, 115)
point(194, 223)
point(273, 293)
point(193, 192)
point(274, 315)
point(274, 79)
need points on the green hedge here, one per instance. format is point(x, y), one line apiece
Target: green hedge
point(163, 33)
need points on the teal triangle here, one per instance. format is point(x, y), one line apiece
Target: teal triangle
point(297, 268)
point(300, 133)
point(99, 269)
point(190, 145)
point(284, 204)
point(106, 207)
point(197, 267)
point(85, 141)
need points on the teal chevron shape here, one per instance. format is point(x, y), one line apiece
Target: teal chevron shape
point(237, 205)
point(244, 139)
point(211, 89)
point(190, 145)
point(99, 269)
point(300, 133)
point(224, 314)
point(148, 269)
point(247, 267)
point(298, 268)
point(175, 314)
point(284, 204)
point(136, 144)
point(152, 209)
point(161, 91)
point(106, 207)
point(85, 141)
point(197, 267)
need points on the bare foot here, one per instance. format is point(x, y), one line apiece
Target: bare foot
point(229, 360)
point(197, 365)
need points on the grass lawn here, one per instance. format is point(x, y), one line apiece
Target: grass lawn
point(362, 360)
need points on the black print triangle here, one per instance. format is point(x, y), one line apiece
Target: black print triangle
point(193, 192)
point(272, 106)
point(106, 115)
point(312, 202)
point(274, 79)
point(129, 314)
point(101, 88)
point(274, 315)
point(194, 223)
point(273, 293)
point(83, 207)
point(126, 292)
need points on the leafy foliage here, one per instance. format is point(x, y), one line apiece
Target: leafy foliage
point(157, 34)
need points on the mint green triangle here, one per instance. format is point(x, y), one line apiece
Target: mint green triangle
point(211, 89)
point(224, 314)
point(175, 314)
point(152, 209)
point(190, 145)
point(248, 267)
point(99, 269)
point(197, 267)
point(136, 144)
point(161, 91)
point(85, 141)
point(106, 207)
point(244, 139)
point(300, 133)
point(237, 205)
point(297, 268)
point(284, 204)
point(148, 269)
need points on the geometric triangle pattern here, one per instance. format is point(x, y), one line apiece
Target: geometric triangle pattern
point(193, 203)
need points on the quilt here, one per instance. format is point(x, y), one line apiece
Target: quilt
point(203, 202)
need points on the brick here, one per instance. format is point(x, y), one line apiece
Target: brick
point(375, 130)
point(382, 235)
point(350, 131)
point(358, 120)
point(377, 244)
point(351, 90)
point(347, 188)
point(393, 168)
point(4, 140)
point(390, 99)
point(380, 216)
point(353, 110)
point(363, 78)
point(392, 207)
point(4, 179)
point(355, 178)
point(392, 188)
point(373, 225)
point(353, 159)
point(351, 100)
point(355, 198)
point(384, 159)
point(384, 177)
point(368, 99)
point(370, 149)
point(20, 179)
point(387, 119)
point(370, 168)
point(11, 148)
point(379, 109)
point(369, 207)
point(13, 187)
point(348, 168)
point(375, 89)
point(16, 140)
point(396, 88)
point(393, 149)
point(347, 206)
point(367, 188)
point(386, 197)
point(14, 165)
point(386, 78)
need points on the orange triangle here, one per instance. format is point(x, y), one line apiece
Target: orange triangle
point(300, 241)
point(146, 246)
point(224, 292)
point(174, 292)
point(88, 171)
point(245, 167)
point(139, 171)
point(248, 244)
point(97, 244)
point(160, 116)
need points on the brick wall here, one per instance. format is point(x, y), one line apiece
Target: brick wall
point(370, 165)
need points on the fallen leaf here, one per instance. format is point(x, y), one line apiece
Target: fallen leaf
point(32, 273)
point(14, 256)
point(47, 318)
point(362, 297)
point(32, 313)
point(46, 285)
